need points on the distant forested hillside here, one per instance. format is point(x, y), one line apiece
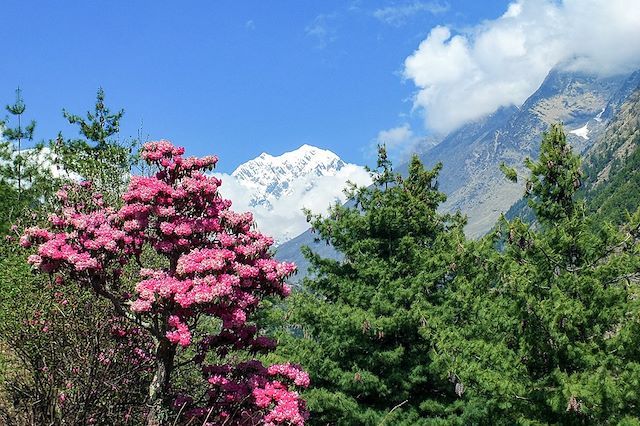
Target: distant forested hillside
point(611, 177)
point(612, 169)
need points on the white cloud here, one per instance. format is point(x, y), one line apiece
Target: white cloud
point(397, 15)
point(401, 143)
point(461, 77)
point(394, 137)
point(284, 219)
point(322, 29)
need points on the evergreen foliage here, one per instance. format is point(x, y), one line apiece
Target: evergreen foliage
point(365, 318)
point(545, 331)
point(536, 323)
point(610, 181)
point(23, 179)
point(97, 155)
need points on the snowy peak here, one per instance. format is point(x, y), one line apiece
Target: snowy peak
point(271, 176)
point(277, 188)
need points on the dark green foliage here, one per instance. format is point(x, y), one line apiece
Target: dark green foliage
point(546, 331)
point(364, 321)
point(25, 178)
point(610, 182)
point(620, 195)
point(537, 323)
point(509, 172)
point(555, 177)
point(530, 325)
point(97, 156)
point(100, 125)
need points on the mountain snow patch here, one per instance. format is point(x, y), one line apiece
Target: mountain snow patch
point(598, 117)
point(44, 160)
point(583, 132)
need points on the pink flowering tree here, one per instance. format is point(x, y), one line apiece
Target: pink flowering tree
point(203, 271)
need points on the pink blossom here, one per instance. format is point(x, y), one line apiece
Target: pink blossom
point(183, 229)
point(299, 377)
point(167, 228)
point(62, 195)
point(141, 305)
point(287, 405)
point(181, 334)
point(35, 260)
point(215, 265)
point(25, 241)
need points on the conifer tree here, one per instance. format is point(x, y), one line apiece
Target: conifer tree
point(543, 328)
point(23, 179)
point(364, 318)
point(17, 135)
point(100, 125)
point(97, 155)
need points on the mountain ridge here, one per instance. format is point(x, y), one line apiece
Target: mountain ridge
point(471, 155)
point(276, 188)
point(270, 176)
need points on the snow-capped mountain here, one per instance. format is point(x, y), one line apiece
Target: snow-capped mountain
point(276, 188)
point(270, 178)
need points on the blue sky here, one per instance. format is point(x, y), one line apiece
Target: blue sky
point(237, 78)
point(232, 78)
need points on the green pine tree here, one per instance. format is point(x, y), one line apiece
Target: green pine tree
point(97, 155)
point(544, 326)
point(364, 320)
point(25, 179)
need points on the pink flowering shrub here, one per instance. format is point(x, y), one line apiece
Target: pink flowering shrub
point(217, 270)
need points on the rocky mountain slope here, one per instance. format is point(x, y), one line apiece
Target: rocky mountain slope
point(472, 154)
point(611, 184)
point(612, 165)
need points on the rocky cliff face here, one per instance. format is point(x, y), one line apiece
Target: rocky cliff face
point(611, 184)
point(472, 154)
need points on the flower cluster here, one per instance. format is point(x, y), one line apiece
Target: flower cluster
point(83, 235)
point(176, 208)
point(286, 404)
point(248, 383)
point(217, 266)
point(222, 267)
point(290, 371)
point(181, 334)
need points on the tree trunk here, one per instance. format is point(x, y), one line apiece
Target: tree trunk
point(159, 388)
